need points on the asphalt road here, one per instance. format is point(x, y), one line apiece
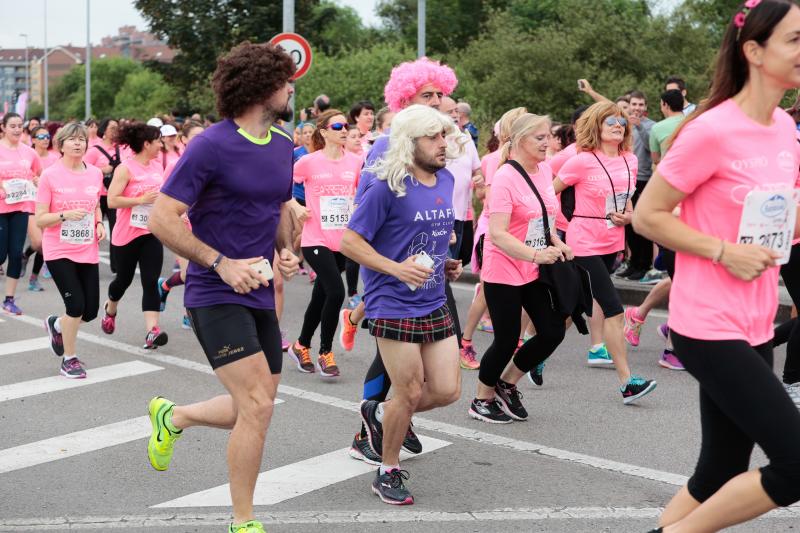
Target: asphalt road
point(75, 458)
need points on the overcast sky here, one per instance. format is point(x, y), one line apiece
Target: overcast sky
point(66, 20)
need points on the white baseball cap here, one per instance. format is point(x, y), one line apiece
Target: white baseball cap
point(155, 121)
point(167, 130)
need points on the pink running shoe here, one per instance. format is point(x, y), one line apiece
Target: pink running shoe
point(284, 341)
point(468, 356)
point(155, 338)
point(109, 322)
point(633, 326)
point(670, 361)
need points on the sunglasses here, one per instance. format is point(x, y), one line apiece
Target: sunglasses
point(612, 121)
point(42, 136)
point(338, 126)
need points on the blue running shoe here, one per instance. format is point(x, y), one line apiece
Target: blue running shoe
point(600, 357)
point(636, 388)
point(162, 294)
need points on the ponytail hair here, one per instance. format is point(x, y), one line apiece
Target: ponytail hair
point(317, 141)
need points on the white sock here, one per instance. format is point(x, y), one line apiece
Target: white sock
point(57, 325)
point(379, 412)
point(68, 357)
point(386, 468)
point(597, 347)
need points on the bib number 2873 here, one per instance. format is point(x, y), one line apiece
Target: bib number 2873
point(768, 219)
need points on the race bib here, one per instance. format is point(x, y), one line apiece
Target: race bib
point(78, 231)
point(335, 211)
point(535, 237)
point(140, 215)
point(615, 204)
point(768, 219)
point(19, 190)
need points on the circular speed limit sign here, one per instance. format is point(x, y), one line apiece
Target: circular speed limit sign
point(299, 50)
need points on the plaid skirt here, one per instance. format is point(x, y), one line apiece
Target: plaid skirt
point(434, 327)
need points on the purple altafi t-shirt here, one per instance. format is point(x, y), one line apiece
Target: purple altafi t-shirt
point(398, 228)
point(379, 147)
point(235, 186)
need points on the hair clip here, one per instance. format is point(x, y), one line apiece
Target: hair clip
point(741, 17)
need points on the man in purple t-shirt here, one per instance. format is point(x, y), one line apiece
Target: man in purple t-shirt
point(235, 181)
point(400, 234)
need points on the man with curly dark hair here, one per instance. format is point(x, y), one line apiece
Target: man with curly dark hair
point(237, 178)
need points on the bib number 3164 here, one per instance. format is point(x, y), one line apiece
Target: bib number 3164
point(768, 219)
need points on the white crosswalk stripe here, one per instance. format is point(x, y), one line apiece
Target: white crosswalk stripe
point(15, 347)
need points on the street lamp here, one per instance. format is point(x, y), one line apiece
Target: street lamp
point(27, 67)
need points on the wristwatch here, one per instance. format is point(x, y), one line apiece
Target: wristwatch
point(215, 264)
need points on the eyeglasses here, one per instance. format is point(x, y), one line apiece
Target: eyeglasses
point(612, 121)
point(337, 126)
point(42, 136)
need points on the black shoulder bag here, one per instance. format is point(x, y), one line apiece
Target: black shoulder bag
point(114, 161)
point(569, 282)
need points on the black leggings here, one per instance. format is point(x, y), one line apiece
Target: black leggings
point(13, 230)
point(352, 277)
point(111, 215)
point(742, 403)
point(79, 285)
point(641, 247)
point(326, 298)
point(790, 272)
point(37, 261)
point(505, 303)
point(603, 290)
point(148, 253)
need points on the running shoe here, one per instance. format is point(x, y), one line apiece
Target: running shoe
point(653, 276)
point(536, 376)
point(284, 342)
point(303, 271)
point(633, 326)
point(467, 356)
point(56, 341)
point(176, 266)
point(374, 429)
point(390, 489)
point(600, 357)
point(326, 364)
point(361, 451)
point(485, 325)
point(253, 526)
point(411, 442)
point(636, 275)
point(488, 411)
point(311, 276)
point(348, 330)
point(624, 270)
point(10, 307)
point(663, 332)
point(301, 357)
point(155, 338)
point(636, 388)
point(34, 285)
point(793, 390)
point(71, 368)
point(162, 440)
point(46, 273)
point(353, 301)
point(162, 294)
point(510, 400)
point(186, 323)
point(109, 322)
point(670, 361)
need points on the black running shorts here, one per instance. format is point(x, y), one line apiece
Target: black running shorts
point(229, 332)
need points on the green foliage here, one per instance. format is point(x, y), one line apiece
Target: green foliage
point(143, 95)
point(714, 15)
point(35, 109)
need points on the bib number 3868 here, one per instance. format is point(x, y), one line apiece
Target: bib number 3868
point(768, 219)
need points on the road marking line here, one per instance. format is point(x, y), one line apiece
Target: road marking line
point(290, 481)
point(221, 520)
point(71, 444)
point(28, 345)
point(424, 423)
point(34, 387)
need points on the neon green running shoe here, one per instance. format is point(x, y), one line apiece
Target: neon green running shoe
point(162, 440)
point(252, 526)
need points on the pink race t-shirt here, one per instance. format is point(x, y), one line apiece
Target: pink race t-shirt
point(48, 160)
point(462, 168)
point(556, 162)
point(18, 165)
point(330, 187)
point(717, 159)
point(143, 179)
point(512, 195)
point(63, 189)
point(595, 197)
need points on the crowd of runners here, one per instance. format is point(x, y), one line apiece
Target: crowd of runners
point(700, 205)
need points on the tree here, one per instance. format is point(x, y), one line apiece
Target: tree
point(143, 95)
point(714, 15)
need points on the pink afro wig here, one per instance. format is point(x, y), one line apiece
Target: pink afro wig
point(409, 77)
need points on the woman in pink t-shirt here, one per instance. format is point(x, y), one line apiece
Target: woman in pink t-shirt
point(68, 211)
point(329, 175)
point(733, 167)
point(19, 173)
point(603, 175)
point(132, 192)
point(513, 248)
